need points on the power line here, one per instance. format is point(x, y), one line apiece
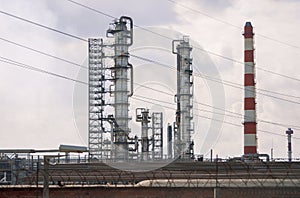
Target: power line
point(233, 25)
point(229, 123)
point(201, 75)
point(211, 79)
point(204, 14)
point(86, 40)
point(242, 63)
point(239, 115)
point(67, 78)
point(137, 98)
point(99, 12)
point(12, 62)
point(209, 52)
point(282, 94)
point(148, 60)
point(112, 17)
point(43, 53)
point(43, 26)
point(92, 9)
point(82, 39)
point(239, 86)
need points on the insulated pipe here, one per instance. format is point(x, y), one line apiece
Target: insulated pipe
point(124, 19)
point(250, 144)
point(131, 79)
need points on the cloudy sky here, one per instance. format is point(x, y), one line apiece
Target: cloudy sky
point(43, 111)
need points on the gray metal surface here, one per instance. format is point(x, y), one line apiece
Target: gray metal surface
point(184, 98)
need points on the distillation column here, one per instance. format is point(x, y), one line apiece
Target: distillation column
point(123, 37)
point(184, 97)
point(142, 115)
point(250, 140)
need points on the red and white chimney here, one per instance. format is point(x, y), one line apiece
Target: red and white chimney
point(250, 141)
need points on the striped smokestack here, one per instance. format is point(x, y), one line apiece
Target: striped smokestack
point(250, 144)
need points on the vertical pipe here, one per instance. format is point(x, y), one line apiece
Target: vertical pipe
point(169, 139)
point(162, 136)
point(46, 177)
point(37, 176)
point(289, 132)
point(250, 144)
point(272, 153)
point(145, 141)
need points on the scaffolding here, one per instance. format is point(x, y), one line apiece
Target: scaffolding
point(108, 86)
point(96, 97)
point(157, 135)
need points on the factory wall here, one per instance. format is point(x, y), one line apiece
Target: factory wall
point(139, 192)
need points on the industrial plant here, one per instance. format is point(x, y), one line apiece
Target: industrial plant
point(111, 86)
point(119, 159)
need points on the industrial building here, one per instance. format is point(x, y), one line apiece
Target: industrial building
point(117, 159)
point(111, 86)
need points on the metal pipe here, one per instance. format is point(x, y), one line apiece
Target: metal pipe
point(169, 138)
point(46, 177)
point(124, 19)
point(131, 79)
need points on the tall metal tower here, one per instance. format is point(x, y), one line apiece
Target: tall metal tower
point(250, 142)
point(96, 98)
point(122, 32)
point(142, 115)
point(156, 140)
point(184, 96)
point(108, 86)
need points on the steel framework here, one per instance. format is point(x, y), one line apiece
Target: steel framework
point(109, 93)
point(96, 105)
point(157, 135)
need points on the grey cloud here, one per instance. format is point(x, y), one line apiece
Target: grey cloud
point(88, 23)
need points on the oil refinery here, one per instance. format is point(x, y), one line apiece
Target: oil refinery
point(121, 162)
